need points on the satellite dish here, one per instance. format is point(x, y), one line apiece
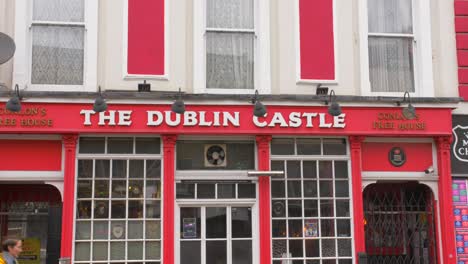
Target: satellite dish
point(7, 48)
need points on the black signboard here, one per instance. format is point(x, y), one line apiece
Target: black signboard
point(459, 150)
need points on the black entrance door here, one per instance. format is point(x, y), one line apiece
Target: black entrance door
point(399, 224)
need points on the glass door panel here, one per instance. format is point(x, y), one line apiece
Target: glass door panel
point(216, 235)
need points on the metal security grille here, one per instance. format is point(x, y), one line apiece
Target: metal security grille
point(399, 224)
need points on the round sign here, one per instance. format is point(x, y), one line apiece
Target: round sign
point(397, 157)
point(7, 48)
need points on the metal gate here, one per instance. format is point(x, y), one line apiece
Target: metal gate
point(399, 224)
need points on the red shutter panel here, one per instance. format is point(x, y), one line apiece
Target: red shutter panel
point(146, 37)
point(461, 29)
point(317, 46)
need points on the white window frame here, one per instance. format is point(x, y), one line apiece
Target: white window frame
point(423, 72)
point(297, 46)
point(262, 71)
point(317, 158)
point(128, 76)
point(23, 56)
point(110, 157)
point(203, 204)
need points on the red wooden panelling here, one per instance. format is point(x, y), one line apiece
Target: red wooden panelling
point(463, 91)
point(317, 40)
point(462, 58)
point(375, 156)
point(462, 41)
point(461, 27)
point(31, 155)
point(463, 75)
point(461, 7)
point(461, 24)
point(29, 193)
point(146, 37)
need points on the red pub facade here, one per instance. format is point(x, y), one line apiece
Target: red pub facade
point(145, 184)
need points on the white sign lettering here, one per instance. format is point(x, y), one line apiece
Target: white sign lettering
point(214, 119)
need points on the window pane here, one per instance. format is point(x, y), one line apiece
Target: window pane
point(391, 64)
point(153, 169)
point(136, 169)
point(309, 169)
point(334, 147)
point(153, 189)
point(341, 189)
point(294, 208)
point(277, 189)
point(310, 189)
point(216, 252)
point(282, 146)
point(216, 222)
point(190, 252)
point(118, 209)
point(293, 169)
point(390, 16)
point(83, 230)
point(119, 189)
point(117, 145)
point(246, 191)
point(226, 191)
point(100, 230)
point(312, 248)
point(343, 227)
point(185, 191)
point(102, 169)
point(328, 248)
point(278, 208)
point(344, 248)
point(206, 191)
point(84, 210)
point(308, 147)
point(241, 218)
point(230, 60)
point(230, 14)
point(294, 189)
point(135, 209)
point(101, 209)
point(296, 248)
point(119, 169)
point(295, 228)
point(153, 209)
point(153, 229)
point(117, 250)
point(190, 223)
point(85, 169)
point(279, 228)
point(57, 55)
point(101, 189)
point(341, 169)
point(47, 10)
point(135, 250)
point(135, 229)
point(92, 145)
point(147, 146)
point(279, 248)
point(82, 251)
point(310, 208)
point(327, 227)
point(342, 208)
point(118, 230)
point(241, 252)
point(84, 189)
point(153, 250)
point(135, 189)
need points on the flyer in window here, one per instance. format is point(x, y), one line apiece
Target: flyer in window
point(189, 228)
point(31, 251)
point(311, 228)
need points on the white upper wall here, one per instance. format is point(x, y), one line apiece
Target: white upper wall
point(110, 58)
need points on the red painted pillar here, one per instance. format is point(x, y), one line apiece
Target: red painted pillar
point(358, 208)
point(445, 200)
point(263, 148)
point(69, 142)
point(169, 142)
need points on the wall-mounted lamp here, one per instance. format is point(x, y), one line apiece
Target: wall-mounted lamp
point(321, 90)
point(144, 87)
point(100, 104)
point(334, 108)
point(178, 106)
point(259, 109)
point(14, 104)
point(409, 112)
